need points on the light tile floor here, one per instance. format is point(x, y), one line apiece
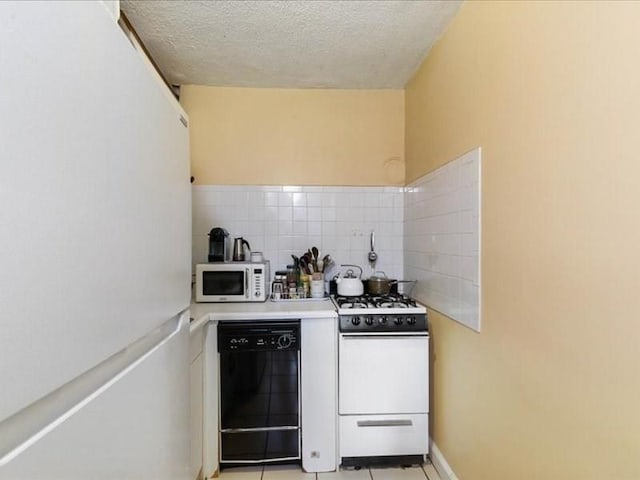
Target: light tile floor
point(294, 472)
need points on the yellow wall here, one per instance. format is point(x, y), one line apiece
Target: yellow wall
point(295, 137)
point(551, 92)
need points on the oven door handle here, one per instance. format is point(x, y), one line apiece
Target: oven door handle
point(384, 423)
point(356, 336)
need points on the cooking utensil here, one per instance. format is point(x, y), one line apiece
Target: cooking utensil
point(305, 266)
point(326, 262)
point(380, 284)
point(308, 260)
point(350, 285)
point(373, 256)
point(316, 254)
point(403, 289)
point(327, 266)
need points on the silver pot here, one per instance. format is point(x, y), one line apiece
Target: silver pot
point(380, 284)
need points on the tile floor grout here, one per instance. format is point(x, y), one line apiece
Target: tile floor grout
point(371, 476)
point(425, 472)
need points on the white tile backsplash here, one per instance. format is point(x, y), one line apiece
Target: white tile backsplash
point(442, 238)
point(290, 219)
point(429, 231)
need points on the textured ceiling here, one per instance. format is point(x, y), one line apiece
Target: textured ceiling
point(290, 44)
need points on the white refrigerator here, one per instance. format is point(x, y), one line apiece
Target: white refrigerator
point(95, 252)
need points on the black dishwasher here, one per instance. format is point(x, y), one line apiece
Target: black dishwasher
point(259, 391)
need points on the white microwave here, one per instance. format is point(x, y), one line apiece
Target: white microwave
point(232, 282)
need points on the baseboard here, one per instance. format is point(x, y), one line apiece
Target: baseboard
point(440, 464)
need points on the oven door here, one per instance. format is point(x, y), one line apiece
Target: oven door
point(383, 373)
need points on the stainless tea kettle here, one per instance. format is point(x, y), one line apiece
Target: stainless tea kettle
point(238, 249)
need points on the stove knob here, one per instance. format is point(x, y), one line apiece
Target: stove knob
point(355, 320)
point(398, 321)
point(369, 320)
point(411, 321)
point(383, 320)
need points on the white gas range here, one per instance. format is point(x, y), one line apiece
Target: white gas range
point(383, 371)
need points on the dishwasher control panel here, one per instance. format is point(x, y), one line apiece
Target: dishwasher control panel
point(258, 336)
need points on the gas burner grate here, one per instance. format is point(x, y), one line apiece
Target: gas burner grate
point(354, 305)
point(351, 302)
point(394, 301)
point(376, 301)
point(392, 305)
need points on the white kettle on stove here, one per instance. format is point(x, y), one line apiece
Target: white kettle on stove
point(350, 285)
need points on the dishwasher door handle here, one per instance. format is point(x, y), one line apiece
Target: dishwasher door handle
point(384, 423)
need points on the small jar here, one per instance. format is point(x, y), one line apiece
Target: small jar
point(306, 288)
point(293, 291)
point(292, 275)
point(277, 290)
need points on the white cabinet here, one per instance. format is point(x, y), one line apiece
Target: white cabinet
point(319, 376)
point(319, 395)
point(210, 452)
point(196, 400)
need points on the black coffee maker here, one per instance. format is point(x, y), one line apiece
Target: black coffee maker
point(218, 244)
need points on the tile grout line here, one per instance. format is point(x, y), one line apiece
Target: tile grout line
point(427, 475)
point(371, 477)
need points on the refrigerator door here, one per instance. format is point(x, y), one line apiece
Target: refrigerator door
point(95, 214)
point(129, 431)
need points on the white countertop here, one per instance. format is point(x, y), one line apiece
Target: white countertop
point(206, 312)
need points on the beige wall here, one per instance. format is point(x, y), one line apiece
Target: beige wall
point(551, 91)
point(295, 137)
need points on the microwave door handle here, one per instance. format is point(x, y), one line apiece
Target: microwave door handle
point(246, 284)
